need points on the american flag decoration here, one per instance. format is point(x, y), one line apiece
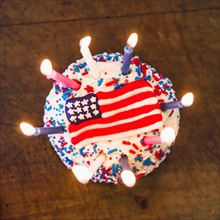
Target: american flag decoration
point(127, 111)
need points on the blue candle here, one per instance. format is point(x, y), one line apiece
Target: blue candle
point(29, 130)
point(186, 101)
point(128, 51)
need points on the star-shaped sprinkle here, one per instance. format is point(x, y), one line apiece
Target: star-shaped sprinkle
point(76, 103)
point(78, 110)
point(81, 117)
point(93, 106)
point(93, 99)
point(71, 111)
point(73, 118)
point(88, 115)
point(96, 112)
point(69, 105)
point(86, 108)
point(85, 101)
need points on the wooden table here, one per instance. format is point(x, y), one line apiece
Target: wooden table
point(180, 38)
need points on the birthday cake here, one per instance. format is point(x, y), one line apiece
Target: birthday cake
point(111, 115)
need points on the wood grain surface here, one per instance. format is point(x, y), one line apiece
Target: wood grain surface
point(180, 38)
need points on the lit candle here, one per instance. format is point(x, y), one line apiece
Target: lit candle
point(167, 136)
point(84, 49)
point(128, 50)
point(127, 175)
point(46, 69)
point(81, 173)
point(186, 101)
point(29, 130)
point(84, 174)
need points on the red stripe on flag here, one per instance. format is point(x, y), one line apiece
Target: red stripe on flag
point(141, 123)
point(127, 88)
point(128, 101)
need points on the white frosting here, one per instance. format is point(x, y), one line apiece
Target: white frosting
point(143, 159)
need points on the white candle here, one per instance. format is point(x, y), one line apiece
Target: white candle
point(84, 49)
point(46, 69)
point(84, 174)
point(167, 136)
point(81, 173)
point(128, 178)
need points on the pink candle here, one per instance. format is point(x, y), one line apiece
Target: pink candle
point(167, 136)
point(46, 69)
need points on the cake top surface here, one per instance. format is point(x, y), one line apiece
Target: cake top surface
point(103, 107)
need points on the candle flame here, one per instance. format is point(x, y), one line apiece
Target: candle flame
point(128, 178)
point(168, 135)
point(84, 42)
point(27, 129)
point(132, 40)
point(46, 67)
point(187, 99)
point(82, 173)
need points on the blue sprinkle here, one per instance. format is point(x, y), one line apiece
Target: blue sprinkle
point(116, 58)
point(70, 148)
point(147, 78)
point(49, 108)
point(139, 158)
point(134, 169)
point(137, 78)
point(76, 69)
point(114, 169)
point(81, 151)
point(138, 70)
point(95, 146)
point(61, 106)
point(147, 162)
point(68, 161)
point(100, 81)
point(112, 151)
point(82, 65)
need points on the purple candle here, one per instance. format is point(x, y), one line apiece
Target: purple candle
point(46, 69)
point(186, 101)
point(29, 130)
point(124, 163)
point(127, 175)
point(128, 50)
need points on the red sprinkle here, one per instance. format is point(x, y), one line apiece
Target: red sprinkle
point(85, 73)
point(126, 142)
point(89, 89)
point(171, 113)
point(132, 151)
point(135, 146)
point(114, 81)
